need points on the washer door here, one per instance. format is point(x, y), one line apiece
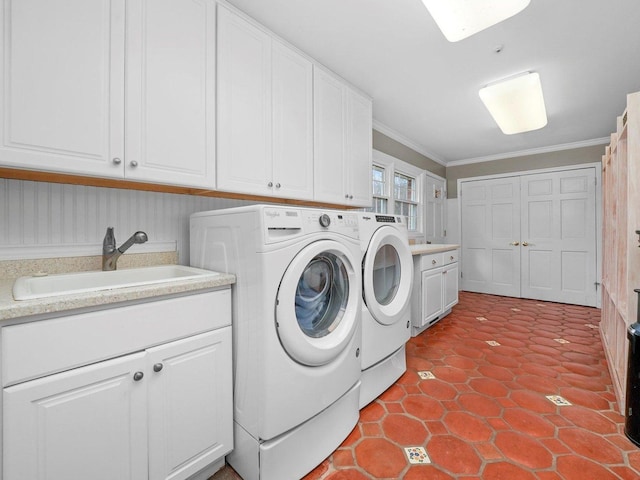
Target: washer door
point(387, 272)
point(317, 303)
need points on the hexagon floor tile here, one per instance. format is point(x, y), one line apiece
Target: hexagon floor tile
point(486, 414)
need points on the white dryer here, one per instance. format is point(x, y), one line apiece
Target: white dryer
point(296, 331)
point(387, 279)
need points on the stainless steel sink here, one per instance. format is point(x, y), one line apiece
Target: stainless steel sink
point(27, 288)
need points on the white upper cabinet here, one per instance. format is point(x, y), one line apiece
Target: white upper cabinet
point(292, 76)
point(61, 85)
point(64, 88)
point(359, 144)
point(170, 86)
point(343, 130)
point(265, 143)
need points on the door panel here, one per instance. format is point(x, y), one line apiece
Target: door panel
point(87, 423)
point(170, 102)
point(490, 223)
point(292, 77)
point(244, 105)
point(558, 236)
point(190, 397)
point(552, 218)
point(61, 100)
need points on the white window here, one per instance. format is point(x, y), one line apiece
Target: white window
point(398, 189)
point(380, 189)
point(405, 196)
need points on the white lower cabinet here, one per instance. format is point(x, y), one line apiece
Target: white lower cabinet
point(164, 412)
point(435, 288)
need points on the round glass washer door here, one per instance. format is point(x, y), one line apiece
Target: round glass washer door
point(318, 302)
point(387, 273)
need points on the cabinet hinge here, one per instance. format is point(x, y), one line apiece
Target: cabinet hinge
point(597, 284)
point(460, 273)
point(445, 232)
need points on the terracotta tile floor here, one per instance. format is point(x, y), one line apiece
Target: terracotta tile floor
point(485, 415)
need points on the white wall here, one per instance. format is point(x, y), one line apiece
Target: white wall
point(47, 219)
point(453, 222)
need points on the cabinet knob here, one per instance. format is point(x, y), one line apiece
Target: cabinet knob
point(138, 376)
point(525, 244)
point(278, 185)
point(433, 262)
point(116, 161)
point(133, 163)
point(157, 367)
point(346, 195)
point(350, 197)
point(451, 257)
point(515, 244)
point(270, 184)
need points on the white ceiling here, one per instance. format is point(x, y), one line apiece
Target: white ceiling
point(425, 89)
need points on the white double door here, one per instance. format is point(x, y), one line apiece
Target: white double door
point(531, 236)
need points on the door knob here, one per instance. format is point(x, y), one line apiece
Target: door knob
point(525, 244)
point(515, 244)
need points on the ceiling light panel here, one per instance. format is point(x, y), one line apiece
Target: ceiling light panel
point(516, 104)
point(460, 19)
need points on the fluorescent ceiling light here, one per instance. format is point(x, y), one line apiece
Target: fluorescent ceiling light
point(516, 104)
point(460, 19)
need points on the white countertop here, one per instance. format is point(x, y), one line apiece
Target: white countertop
point(426, 248)
point(10, 270)
point(10, 308)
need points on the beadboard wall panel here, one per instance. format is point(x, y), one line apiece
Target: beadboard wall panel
point(37, 218)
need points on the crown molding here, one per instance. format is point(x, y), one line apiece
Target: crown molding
point(398, 137)
point(532, 151)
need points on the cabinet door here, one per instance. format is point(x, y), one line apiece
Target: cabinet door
point(88, 423)
point(292, 76)
point(450, 284)
point(358, 160)
point(61, 87)
point(170, 82)
point(329, 138)
point(432, 295)
point(190, 404)
point(244, 106)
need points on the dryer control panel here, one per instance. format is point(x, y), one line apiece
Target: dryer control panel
point(281, 223)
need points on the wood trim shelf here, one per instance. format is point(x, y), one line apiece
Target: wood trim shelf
point(51, 177)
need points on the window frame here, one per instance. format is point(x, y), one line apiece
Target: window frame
point(391, 166)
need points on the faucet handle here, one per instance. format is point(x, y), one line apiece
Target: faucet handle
point(109, 239)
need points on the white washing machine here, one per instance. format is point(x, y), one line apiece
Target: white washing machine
point(387, 279)
point(296, 331)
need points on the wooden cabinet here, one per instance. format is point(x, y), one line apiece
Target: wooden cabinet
point(343, 130)
point(435, 289)
point(265, 135)
point(127, 92)
point(162, 412)
point(621, 255)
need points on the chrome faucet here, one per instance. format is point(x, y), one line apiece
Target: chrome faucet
point(110, 253)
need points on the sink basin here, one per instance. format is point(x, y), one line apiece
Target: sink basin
point(27, 288)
